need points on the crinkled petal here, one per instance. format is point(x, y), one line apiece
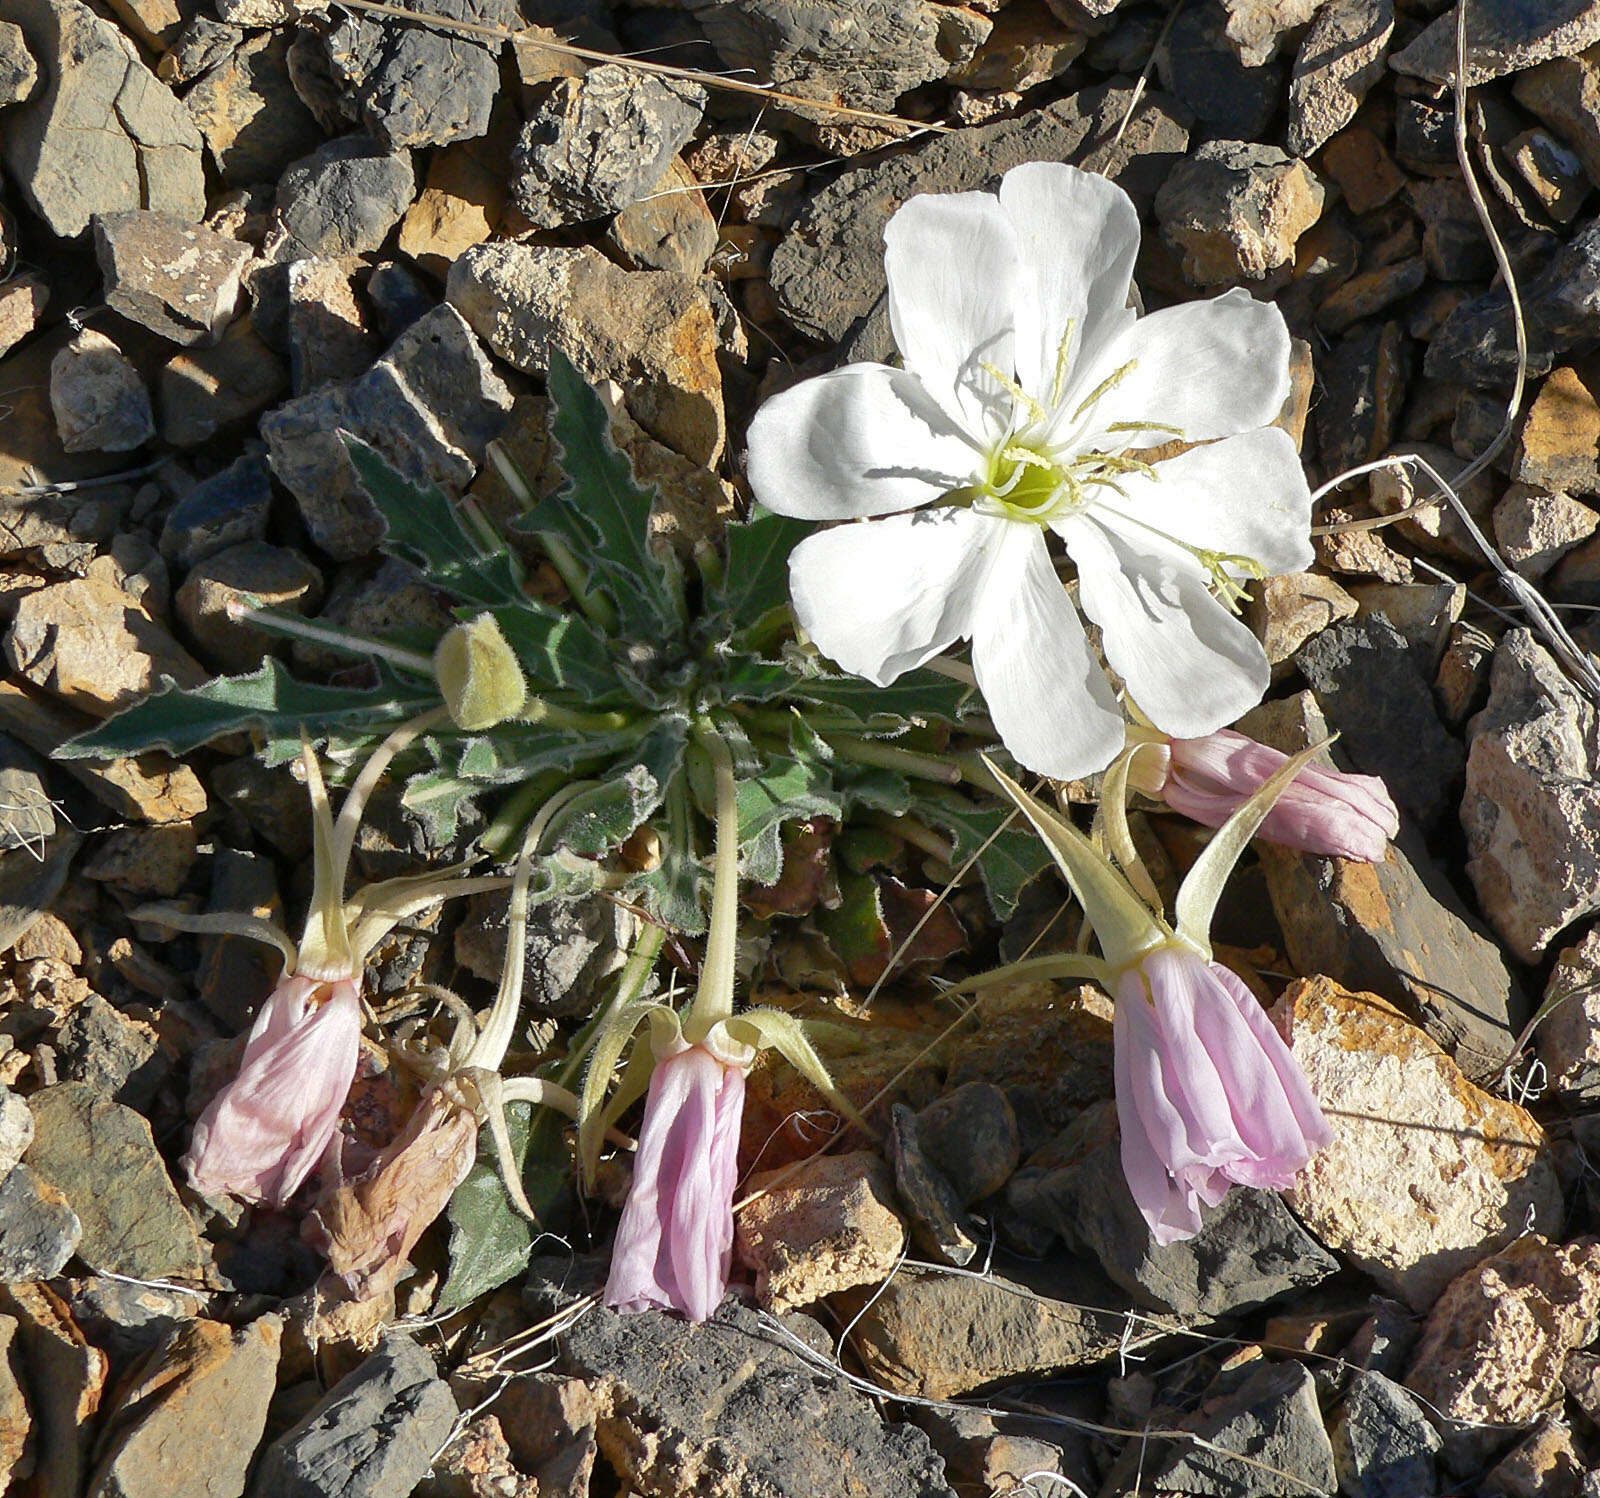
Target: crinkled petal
point(1048, 697)
point(1078, 234)
point(884, 595)
point(1170, 1208)
point(1211, 369)
point(1245, 496)
point(862, 440)
point(953, 270)
point(1188, 663)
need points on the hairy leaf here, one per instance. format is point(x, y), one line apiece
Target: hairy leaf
point(561, 653)
point(918, 696)
point(1010, 863)
point(755, 579)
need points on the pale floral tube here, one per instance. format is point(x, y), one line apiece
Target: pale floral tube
point(265, 1131)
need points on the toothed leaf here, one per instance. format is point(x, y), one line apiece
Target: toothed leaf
point(1011, 862)
point(755, 578)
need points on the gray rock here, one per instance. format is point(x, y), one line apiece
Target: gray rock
point(18, 71)
point(1363, 385)
point(102, 134)
point(828, 272)
point(204, 390)
point(1503, 36)
point(278, 577)
point(198, 47)
point(599, 143)
point(221, 511)
point(329, 332)
point(38, 1230)
point(99, 402)
point(246, 107)
point(1565, 94)
point(97, 1044)
point(971, 1136)
point(342, 199)
point(372, 1435)
point(1383, 1446)
point(713, 1410)
point(1532, 806)
point(16, 1129)
point(176, 278)
point(1200, 65)
point(1376, 695)
point(1339, 61)
point(417, 86)
point(1454, 246)
point(931, 1202)
point(1250, 1249)
point(429, 406)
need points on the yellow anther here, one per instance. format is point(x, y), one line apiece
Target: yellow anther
point(1110, 383)
point(1058, 386)
point(1016, 391)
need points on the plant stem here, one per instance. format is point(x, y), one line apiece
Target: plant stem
point(713, 1000)
point(538, 710)
point(630, 984)
point(302, 629)
point(576, 576)
point(886, 756)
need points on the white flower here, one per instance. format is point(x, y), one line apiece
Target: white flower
point(1028, 391)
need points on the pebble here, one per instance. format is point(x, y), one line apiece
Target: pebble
point(461, 202)
point(1505, 36)
point(229, 507)
point(1558, 447)
point(1340, 59)
point(18, 71)
point(201, 392)
point(144, 861)
point(1534, 529)
point(1565, 94)
point(176, 278)
point(99, 402)
point(573, 946)
point(1427, 1174)
point(829, 1226)
point(1555, 174)
point(1531, 810)
point(38, 1230)
point(372, 1435)
point(329, 333)
point(1424, 613)
point(1371, 292)
point(342, 199)
point(1200, 64)
point(99, 1045)
point(1383, 1445)
point(1462, 685)
point(1568, 1037)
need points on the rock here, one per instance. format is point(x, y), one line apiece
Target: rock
point(18, 71)
point(204, 390)
point(65, 1378)
point(1199, 64)
point(1249, 1251)
point(970, 1136)
point(38, 1230)
point(1559, 445)
point(1427, 1174)
point(206, 1389)
point(1370, 293)
point(1383, 1445)
point(229, 507)
point(16, 1422)
point(175, 278)
point(1532, 804)
point(1504, 36)
point(828, 271)
point(249, 112)
point(549, 1423)
point(936, 1335)
point(1439, 531)
point(99, 401)
point(1424, 613)
point(1339, 61)
point(1555, 174)
point(829, 1226)
point(342, 199)
point(1379, 699)
point(1256, 28)
point(1565, 94)
point(654, 332)
point(16, 1130)
point(1494, 1346)
point(99, 1045)
point(278, 576)
point(329, 336)
point(937, 1219)
point(101, 1157)
point(1264, 1411)
point(1568, 1037)
point(1291, 608)
point(1462, 684)
point(665, 1426)
point(599, 143)
point(372, 1435)
point(418, 86)
point(22, 299)
point(430, 407)
point(102, 134)
point(461, 203)
point(669, 228)
point(1545, 1465)
point(1363, 387)
point(1534, 530)
point(1028, 46)
point(1364, 172)
point(146, 861)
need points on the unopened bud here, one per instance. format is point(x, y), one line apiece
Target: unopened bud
point(479, 675)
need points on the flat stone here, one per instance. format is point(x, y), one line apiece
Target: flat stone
point(1565, 94)
point(22, 301)
point(669, 228)
point(1534, 530)
point(1383, 1445)
point(1199, 64)
point(1427, 1174)
point(828, 271)
point(1555, 173)
point(654, 332)
point(667, 1424)
point(66, 1381)
point(827, 1227)
point(203, 391)
point(102, 134)
point(342, 199)
point(176, 278)
point(101, 1157)
point(1339, 61)
point(206, 1389)
point(1504, 36)
point(1495, 1344)
point(1249, 1250)
point(229, 507)
point(18, 71)
point(1363, 170)
point(1532, 806)
point(372, 1435)
point(99, 401)
point(38, 1230)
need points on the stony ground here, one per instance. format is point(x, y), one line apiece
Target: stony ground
point(231, 228)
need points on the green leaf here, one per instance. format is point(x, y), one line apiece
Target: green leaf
point(561, 652)
point(425, 529)
point(917, 696)
point(747, 678)
point(270, 699)
point(600, 819)
point(490, 1241)
point(755, 579)
point(603, 512)
point(1011, 862)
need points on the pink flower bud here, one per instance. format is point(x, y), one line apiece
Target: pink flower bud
point(1208, 1094)
point(674, 1243)
point(265, 1131)
point(1324, 811)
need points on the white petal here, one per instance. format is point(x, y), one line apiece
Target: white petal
point(1188, 663)
point(885, 595)
point(952, 264)
point(1245, 496)
point(1079, 236)
point(863, 440)
point(1048, 697)
point(1211, 369)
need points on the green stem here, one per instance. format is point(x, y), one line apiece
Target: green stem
point(885, 756)
point(910, 830)
point(713, 1000)
point(301, 629)
point(508, 822)
point(630, 984)
point(576, 576)
point(538, 710)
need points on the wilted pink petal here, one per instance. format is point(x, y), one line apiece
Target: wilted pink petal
point(1324, 811)
point(1208, 1094)
point(675, 1240)
point(265, 1130)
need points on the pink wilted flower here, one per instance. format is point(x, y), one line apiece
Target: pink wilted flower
point(1323, 811)
point(1208, 1094)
